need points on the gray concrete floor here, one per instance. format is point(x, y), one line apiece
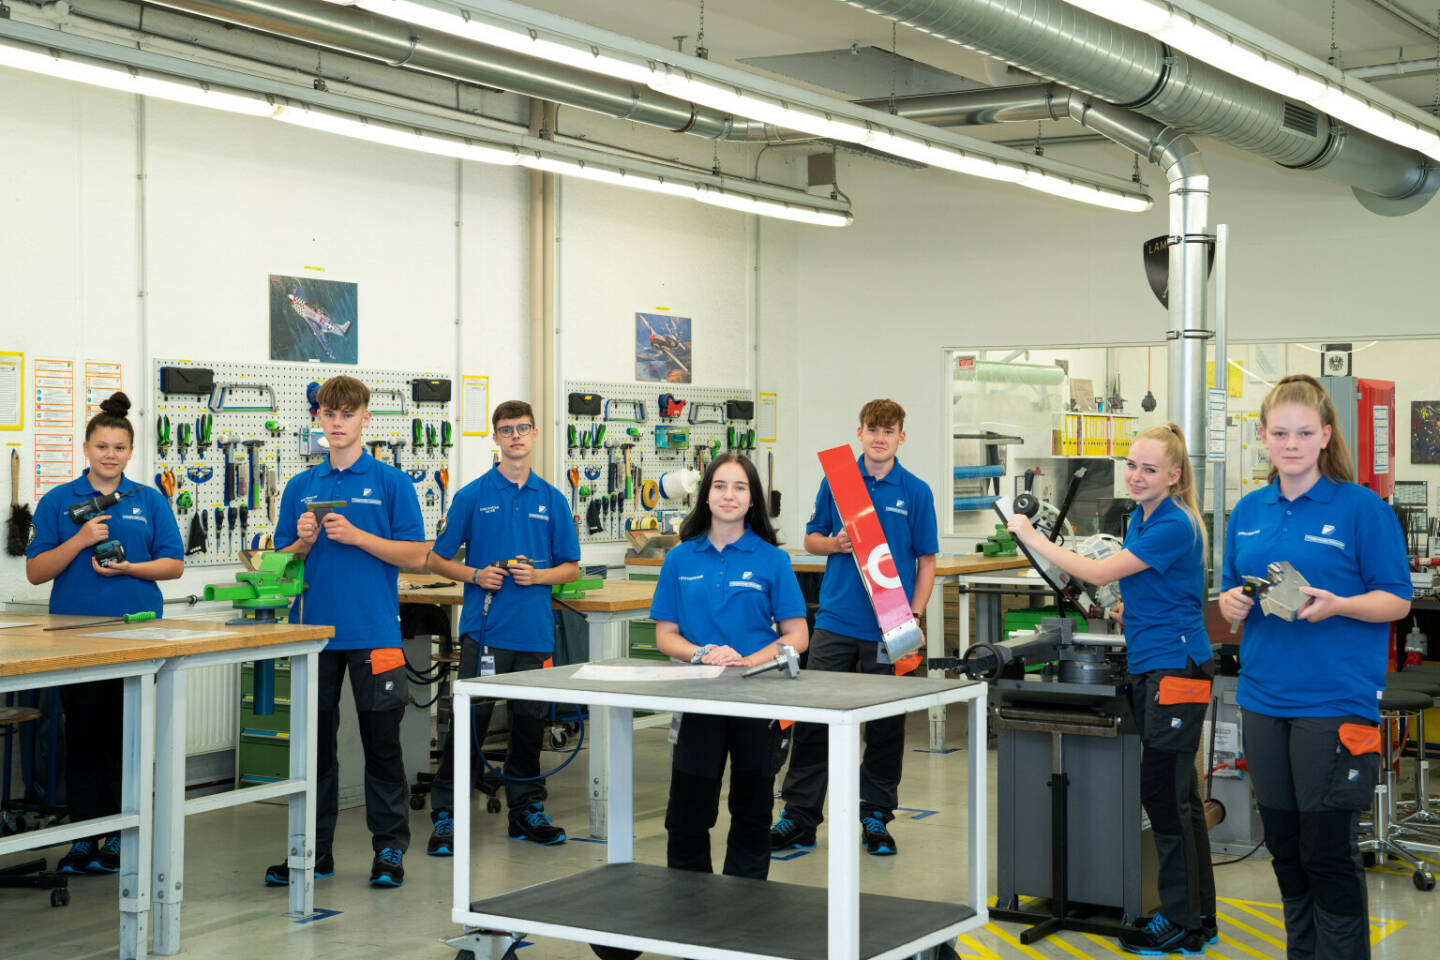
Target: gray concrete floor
point(229, 913)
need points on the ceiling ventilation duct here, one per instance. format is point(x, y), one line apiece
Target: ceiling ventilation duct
point(1052, 39)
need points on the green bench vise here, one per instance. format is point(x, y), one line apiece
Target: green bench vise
point(260, 594)
point(999, 544)
point(575, 589)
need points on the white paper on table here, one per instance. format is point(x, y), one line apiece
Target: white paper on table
point(7, 624)
point(631, 674)
point(161, 633)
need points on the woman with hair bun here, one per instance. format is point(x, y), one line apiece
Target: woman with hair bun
point(63, 552)
point(1309, 686)
point(1162, 580)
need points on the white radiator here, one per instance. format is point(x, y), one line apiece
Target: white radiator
point(212, 708)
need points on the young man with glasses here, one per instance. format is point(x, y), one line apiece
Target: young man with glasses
point(519, 539)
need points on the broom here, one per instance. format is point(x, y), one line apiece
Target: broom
point(17, 531)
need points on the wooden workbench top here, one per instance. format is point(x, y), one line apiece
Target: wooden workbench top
point(613, 597)
point(29, 650)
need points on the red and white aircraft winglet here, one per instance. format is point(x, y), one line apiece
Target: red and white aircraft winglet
point(898, 629)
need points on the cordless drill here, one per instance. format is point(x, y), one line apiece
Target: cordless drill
point(111, 551)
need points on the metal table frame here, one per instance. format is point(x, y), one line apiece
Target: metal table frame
point(843, 875)
point(135, 820)
point(171, 807)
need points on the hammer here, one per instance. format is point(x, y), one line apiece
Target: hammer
point(250, 447)
point(395, 447)
point(375, 446)
point(786, 660)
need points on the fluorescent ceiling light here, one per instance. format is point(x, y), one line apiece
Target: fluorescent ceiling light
point(361, 129)
point(734, 99)
point(1186, 32)
point(131, 81)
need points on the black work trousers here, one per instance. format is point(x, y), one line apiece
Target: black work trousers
point(1169, 737)
point(1310, 788)
point(809, 775)
point(379, 705)
point(703, 744)
point(94, 742)
point(527, 732)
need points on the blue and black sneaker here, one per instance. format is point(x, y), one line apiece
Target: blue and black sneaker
point(107, 857)
point(442, 838)
point(787, 832)
point(386, 871)
point(78, 859)
point(1157, 937)
point(279, 874)
point(877, 839)
point(1211, 928)
point(532, 823)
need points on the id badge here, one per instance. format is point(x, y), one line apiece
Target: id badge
point(487, 665)
point(881, 654)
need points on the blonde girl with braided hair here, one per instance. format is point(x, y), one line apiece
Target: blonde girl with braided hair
point(1309, 686)
point(1161, 572)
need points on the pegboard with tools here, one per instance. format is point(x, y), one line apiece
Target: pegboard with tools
point(628, 447)
point(229, 436)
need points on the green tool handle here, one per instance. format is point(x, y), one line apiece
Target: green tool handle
point(137, 617)
point(416, 432)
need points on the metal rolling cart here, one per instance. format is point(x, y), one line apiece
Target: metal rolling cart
point(637, 906)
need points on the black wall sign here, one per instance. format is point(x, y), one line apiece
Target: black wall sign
point(1156, 254)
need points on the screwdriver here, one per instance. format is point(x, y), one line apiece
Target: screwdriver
point(230, 535)
point(128, 618)
point(219, 524)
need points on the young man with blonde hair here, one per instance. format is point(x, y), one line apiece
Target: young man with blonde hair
point(353, 551)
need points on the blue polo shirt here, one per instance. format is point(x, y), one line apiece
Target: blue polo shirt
point(496, 520)
point(906, 509)
point(733, 596)
point(347, 588)
point(143, 524)
point(1343, 538)
point(1164, 605)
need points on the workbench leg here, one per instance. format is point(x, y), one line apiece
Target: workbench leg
point(169, 868)
point(605, 644)
point(979, 799)
point(842, 920)
point(460, 723)
point(935, 647)
point(620, 776)
point(137, 796)
point(300, 837)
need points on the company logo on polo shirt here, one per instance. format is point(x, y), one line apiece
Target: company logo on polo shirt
point(746, 575)
point(899, 508)
point(542, 515)
point(365, 492)
point(747, 583)
point(1328, 541)
point(542, 509)
point(489, 509)
point(698, 576)
point(1246, 533)
point(134, 509)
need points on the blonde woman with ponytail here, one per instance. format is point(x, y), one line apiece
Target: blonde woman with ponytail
point(1162, 578)
point(1308, 686)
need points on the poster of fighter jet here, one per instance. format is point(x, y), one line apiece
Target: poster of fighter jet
point(313, 319)
point(662, 348)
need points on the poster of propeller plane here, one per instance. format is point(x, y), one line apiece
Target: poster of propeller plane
point(313, 319)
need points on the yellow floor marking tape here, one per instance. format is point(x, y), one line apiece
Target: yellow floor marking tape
point(1231, 921)
point(1070, 948)
point(1105, 942)
point(1237, 945)
point(1253, 903)
point(1258, 913)
point(1027, 950)
point(983, 951)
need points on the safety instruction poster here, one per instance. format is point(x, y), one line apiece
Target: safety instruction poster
point(12, 390)
point(474, 406)
point(101, 380)
point(54, 419)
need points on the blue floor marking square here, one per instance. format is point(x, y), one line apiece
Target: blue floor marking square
point(589, 840)
point(943, 750)
point(789, 856)
point(320, 914)
point(919, 814)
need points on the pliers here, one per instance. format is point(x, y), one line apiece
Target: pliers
point(202, 433)
point(162, 434)
point(182, 436)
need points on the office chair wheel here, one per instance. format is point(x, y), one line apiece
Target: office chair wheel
point(417, 801)
point(1423, 880)
point(60, 896)
point(558, 738)
point(492, 805)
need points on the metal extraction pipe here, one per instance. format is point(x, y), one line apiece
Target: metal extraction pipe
point(1184, 169)
point(1122, 66)
point(361, 33)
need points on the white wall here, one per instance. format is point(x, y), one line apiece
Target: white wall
point(227, 201)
